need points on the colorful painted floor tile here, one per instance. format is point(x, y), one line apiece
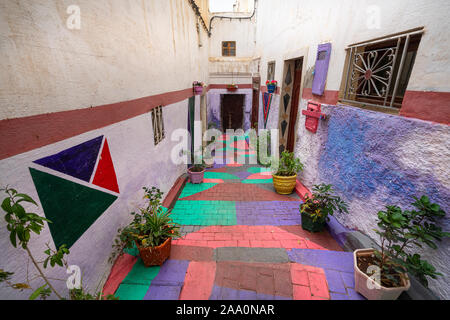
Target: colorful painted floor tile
point(240, 241)
point(204, 213)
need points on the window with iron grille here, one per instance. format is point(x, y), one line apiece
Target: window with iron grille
point(229, 48)
point(271, 71)
point(158, 125)
point(377, 72)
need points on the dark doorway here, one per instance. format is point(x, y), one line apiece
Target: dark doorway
point(295, 104)
point(255, 103)
point(232, 111)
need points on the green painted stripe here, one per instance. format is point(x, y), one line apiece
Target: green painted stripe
point(221, 175)
point(259, 170)
point(205, 213)
point(131, 291)
point(191, 189)
point(258, 181)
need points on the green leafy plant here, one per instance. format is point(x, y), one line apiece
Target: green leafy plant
point(288, 165)
point(151, 227)
point(21, 224)
point(323, 203)
point(400, 231)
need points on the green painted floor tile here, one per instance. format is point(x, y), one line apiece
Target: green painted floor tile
point(205, 213)
point(140, 274)
point(259, 170)
point(191, 189)
point(131, 291)
point(133, 251)
point(258, 181)
point(221, 175)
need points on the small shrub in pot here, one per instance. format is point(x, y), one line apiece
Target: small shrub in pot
point(316, 209)
point(400, 231)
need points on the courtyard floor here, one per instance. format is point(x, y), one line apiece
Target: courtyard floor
point(240, 241)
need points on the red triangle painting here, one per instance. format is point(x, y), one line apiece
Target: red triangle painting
point(105, 176)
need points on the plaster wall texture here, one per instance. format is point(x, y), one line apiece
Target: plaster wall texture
point(292, 26)
point(373, 160)
point(124, 50)
point(214, 106)
point(137, 163)
point(241, 31)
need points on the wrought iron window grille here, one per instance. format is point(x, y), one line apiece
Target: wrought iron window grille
point(158, 125)
point(378, 71)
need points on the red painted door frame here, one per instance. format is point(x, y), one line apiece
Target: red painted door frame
point(255, 103)
point(294, 108)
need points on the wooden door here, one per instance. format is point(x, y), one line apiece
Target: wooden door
point(232, 111)
point(294, 108)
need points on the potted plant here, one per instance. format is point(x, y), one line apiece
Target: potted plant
point(382, 274)
point(271, 86)
point(198, 87)
point(287, 168)
point(315, 209)
point(232, 87)
point(196, 173)
point(151, 230)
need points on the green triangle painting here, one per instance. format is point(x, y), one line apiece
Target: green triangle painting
point(71, 207)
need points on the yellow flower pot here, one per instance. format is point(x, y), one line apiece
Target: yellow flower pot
point(284, 185)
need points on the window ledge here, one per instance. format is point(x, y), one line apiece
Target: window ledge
point(393, 111)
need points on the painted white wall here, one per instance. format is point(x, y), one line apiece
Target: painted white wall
point(124, 50)
point(244, 33)
point(137, 163)
point(291, 25)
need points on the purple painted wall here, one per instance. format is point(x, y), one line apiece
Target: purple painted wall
point(374, 159)
point(321, 70)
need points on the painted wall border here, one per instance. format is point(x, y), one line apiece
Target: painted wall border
point(21, 135)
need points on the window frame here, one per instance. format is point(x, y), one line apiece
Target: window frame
point(270, 76)
point(159, 133)
point(228, 47)
point(401, 45)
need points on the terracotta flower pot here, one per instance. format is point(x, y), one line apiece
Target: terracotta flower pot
point(155, 256)
point(284, 185)
point(196, 177)
point(369, 288)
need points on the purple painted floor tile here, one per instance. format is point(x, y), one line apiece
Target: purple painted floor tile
point(243, 174)
point(276, 213)
point(335, 282)
point(333, 260)
point(354, 295)
point(338, 296)
point(172, 272)
point(157, 292)
point(349, 279)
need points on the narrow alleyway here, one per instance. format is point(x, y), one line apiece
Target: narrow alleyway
point(240, 241)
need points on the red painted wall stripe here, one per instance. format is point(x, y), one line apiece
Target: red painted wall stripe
point(430, 106)
point(24, 134)
point(328, 97)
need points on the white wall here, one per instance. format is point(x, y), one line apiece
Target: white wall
point(244, 33)
point(288, 26)
point(124, 50)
